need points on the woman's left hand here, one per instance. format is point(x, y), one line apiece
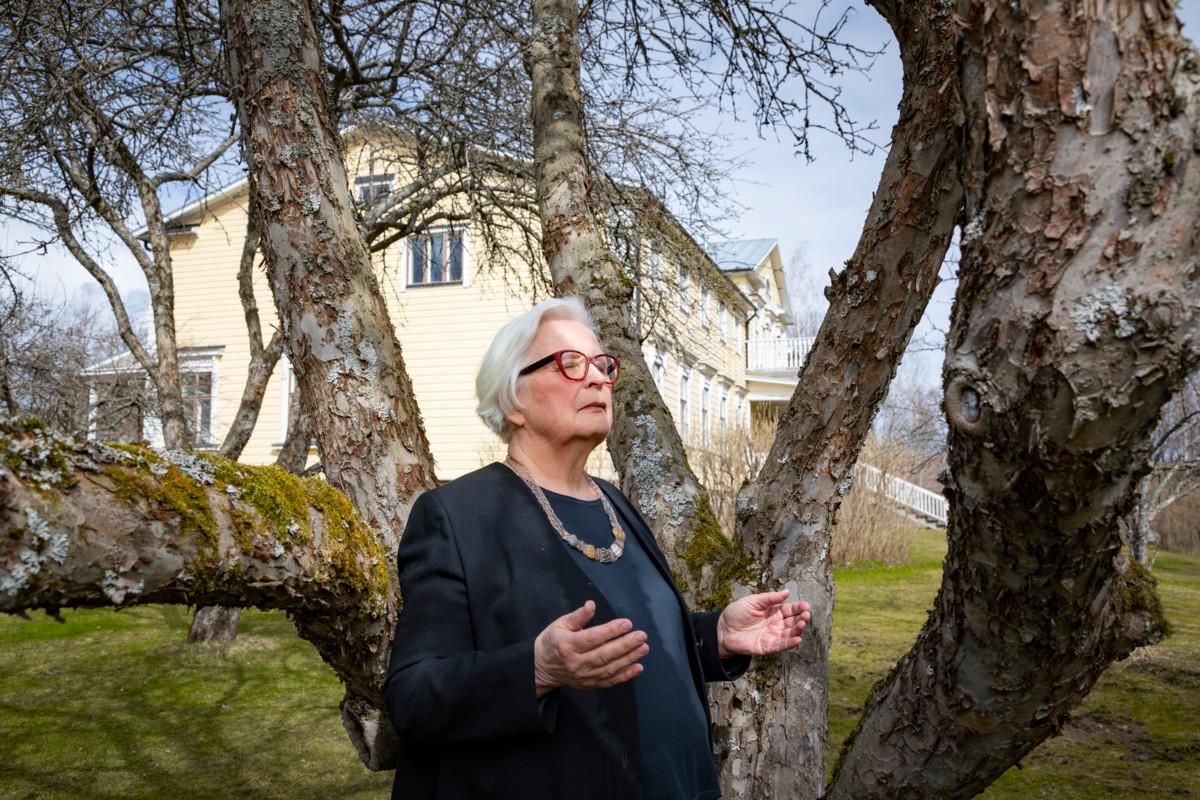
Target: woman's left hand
point(761, 624)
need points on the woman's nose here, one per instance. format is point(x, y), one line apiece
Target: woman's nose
point(594, 374)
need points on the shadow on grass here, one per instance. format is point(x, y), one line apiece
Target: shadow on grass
point(123, 707)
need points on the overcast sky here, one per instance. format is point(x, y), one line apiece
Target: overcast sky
point(816, 207)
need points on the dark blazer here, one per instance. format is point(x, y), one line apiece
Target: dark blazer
point(482, 573)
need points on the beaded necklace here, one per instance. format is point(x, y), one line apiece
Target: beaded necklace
point(604, 555)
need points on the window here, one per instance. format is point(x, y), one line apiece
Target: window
point(685, 377)
point(370, 188)
point(704, 394)
point(723, 414)
point(437, 257)
point(656, 270)
point(721, 320)
point(197, 390)
point(704, 306)
point(118, 407)
point(742, 416)
point(684, 290)
point(737, 334)
point(658, 370)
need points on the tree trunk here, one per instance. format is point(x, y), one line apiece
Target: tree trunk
point(772, 730)
point(214, 624)
point(293, 456)
point(219, 623)
point(1077, 317)
point(338, 334)
point(93, 525)
point(262, 358)
point(644, 443)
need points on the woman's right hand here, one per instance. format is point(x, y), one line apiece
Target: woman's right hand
point(567, 654)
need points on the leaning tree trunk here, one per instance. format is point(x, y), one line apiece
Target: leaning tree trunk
point(93, 525)
point(644, 443)
point(263, 357)
point(1077, 316)
point(772, 731)
point(338, 334)
point(293, 455)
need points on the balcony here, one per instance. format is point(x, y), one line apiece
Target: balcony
point(777, 355)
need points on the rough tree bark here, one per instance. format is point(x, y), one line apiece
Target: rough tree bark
point(772, 729)
point(773, 737)
point(1078, 315)
point(94, 525)
point(338, 334)
point(643, 442)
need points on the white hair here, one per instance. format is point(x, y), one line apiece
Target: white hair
point(496, 382)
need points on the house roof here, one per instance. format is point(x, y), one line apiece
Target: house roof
point(736, 255)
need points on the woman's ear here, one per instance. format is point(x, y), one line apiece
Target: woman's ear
point(515, 418)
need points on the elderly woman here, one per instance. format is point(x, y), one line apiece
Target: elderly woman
point(544, 650)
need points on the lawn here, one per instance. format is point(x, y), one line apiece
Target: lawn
point(1137, 735)
point(116, 705)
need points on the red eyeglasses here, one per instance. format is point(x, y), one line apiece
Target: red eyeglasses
point(573, 365)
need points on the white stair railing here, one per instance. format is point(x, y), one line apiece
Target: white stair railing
point(930, 505)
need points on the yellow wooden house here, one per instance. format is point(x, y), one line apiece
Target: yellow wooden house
point(714, 323)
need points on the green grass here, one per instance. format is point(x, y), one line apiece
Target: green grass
point(1137, 735)
point(116, 705)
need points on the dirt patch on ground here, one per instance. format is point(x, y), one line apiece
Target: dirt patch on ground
point(1102, 727)
point(1159, 664)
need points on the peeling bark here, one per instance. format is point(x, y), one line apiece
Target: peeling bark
point(1077, 317)
point(643, 441)
point(772, 729)
point(337, 331)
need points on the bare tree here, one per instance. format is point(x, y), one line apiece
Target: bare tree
point(45, 346)
point(1175, 468)
point(1050, 408)
point(1074, 323)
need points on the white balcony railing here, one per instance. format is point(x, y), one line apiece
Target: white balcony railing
point(769, 355)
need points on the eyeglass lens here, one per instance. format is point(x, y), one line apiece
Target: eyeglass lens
point(575, 365)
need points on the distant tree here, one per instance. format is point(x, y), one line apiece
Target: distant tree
point(1175, 468)
point(45, 346)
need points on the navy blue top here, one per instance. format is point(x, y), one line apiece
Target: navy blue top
point(676, 761)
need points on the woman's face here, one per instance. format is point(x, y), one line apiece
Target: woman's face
point(555, 409)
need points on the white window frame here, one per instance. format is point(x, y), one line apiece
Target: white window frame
point(406, 257)
point(704, 322)
point(705, 411)
point(191, 360)
point(722, 318)
point(655, 267)
point(658, 371)
point(685, 377)
point(723, 408)
point(365, 187)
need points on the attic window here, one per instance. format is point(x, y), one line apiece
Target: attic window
point(370, 188)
